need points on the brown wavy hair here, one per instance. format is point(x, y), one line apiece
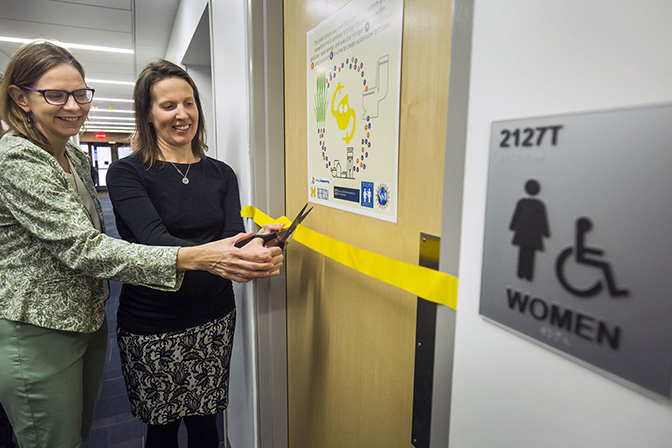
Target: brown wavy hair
point(24, 69)
point(144, 141)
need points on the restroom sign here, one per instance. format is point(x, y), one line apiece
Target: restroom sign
point(578, 238)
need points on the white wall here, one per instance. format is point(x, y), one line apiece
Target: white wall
point(531, 58)
point(230, 126)
point(202, 76)
point(230, 69)
point(231, 72)
point(246, 64)
point(186, 21)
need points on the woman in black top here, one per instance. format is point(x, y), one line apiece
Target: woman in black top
point(175, 346)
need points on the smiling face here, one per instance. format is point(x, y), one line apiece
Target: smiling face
point(57, 123)
point(174, 114)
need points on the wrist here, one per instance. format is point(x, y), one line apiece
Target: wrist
point(195, 258)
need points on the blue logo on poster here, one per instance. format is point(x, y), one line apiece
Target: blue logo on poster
point(382, 196)
point(347, 194)
point(367, 194)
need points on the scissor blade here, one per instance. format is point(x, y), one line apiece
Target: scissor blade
point(296, 220)
point(300, 217)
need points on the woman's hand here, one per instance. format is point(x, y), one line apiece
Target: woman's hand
point(271, 228)
point(224, 259)
point(248, 262)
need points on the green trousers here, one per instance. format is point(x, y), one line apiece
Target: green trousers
point(49, 382)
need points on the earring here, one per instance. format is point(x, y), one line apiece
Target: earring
point(29, 120)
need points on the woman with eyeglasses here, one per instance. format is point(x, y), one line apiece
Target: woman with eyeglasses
point(56, 259)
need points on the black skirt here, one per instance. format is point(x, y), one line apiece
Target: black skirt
point(182, 373)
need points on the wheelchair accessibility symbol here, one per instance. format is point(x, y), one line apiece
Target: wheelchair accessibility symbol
point(530, 226)
point(588, 256)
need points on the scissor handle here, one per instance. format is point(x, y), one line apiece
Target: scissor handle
point(241, 243)
point(266, 237)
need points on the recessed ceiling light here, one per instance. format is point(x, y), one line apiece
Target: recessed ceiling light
point(108, 81)
point(119, 131)
point(96, 122)
point(68, 45)
point(114, 111)
point(97, 117)
point(114, 100)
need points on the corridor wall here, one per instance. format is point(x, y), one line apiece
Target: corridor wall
point(245, 40)
point(533, 58)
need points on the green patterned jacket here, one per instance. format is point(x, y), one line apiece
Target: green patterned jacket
point(52, 259)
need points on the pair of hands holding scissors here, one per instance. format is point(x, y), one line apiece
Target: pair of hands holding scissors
point(261, 248)
point(248, 256)
point(240, 264)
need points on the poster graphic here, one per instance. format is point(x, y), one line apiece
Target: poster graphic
point(354, 68)
point(577, 239)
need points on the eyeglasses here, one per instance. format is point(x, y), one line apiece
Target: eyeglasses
point(60, 97)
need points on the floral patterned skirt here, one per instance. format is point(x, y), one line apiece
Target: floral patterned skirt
point(173, 375)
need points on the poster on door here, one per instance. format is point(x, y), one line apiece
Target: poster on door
point(577, 249)
point(353, 82)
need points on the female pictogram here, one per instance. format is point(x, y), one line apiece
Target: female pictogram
point(586, 255)
point(530, 225)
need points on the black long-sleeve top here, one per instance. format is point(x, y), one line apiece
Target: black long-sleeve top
point(152, 206)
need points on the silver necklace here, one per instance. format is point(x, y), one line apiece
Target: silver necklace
point(185, 179)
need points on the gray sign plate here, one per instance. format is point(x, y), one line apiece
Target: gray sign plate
point(578, 238)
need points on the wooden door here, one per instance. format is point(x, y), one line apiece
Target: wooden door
point(350, 338)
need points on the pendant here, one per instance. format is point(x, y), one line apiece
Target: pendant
point(185, 181)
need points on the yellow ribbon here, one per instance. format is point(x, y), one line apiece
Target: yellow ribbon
point(429, 284)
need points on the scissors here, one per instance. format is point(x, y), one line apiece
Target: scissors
point(283, 235)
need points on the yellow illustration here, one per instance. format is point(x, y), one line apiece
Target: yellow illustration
point(343, 114)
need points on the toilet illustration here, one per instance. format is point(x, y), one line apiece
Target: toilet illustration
point(337, 171)
point(372, 97)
